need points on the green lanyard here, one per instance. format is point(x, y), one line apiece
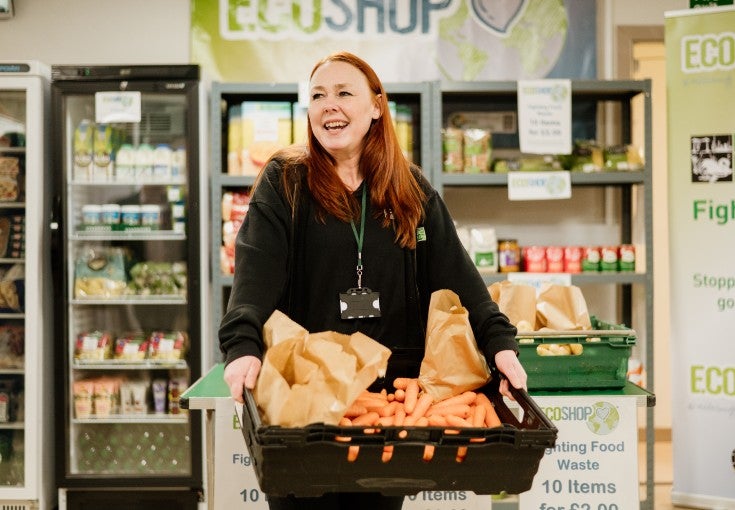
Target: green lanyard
point(359, 238)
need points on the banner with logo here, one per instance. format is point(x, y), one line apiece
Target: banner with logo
point(405, 41)
point(594, 464)
point(700, 74)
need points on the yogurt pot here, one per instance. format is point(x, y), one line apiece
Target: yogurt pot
point(110, 214)
point(130, 215)
point(92, 214)
point(150, 216)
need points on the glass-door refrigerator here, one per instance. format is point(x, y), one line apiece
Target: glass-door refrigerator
point(26, 395)
point(126, 151)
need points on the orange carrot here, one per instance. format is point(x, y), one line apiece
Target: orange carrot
point(388, 409)
point(428, 452)
point(369, 418)
point(478, 416)
point(400, 395)
point(345, 422)
point(454, 421)
point(386, 421)
point(461, 410)
point(352, 452)
point(355, 410)
point(422, 421)
point(491, 417)
point(387, 453)
point(467, 397)
point(412, 395)
point(401, 383)
point(461, 454)
point(422, 405)
point(437, 420)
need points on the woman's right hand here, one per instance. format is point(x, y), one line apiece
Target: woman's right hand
point(240, 374)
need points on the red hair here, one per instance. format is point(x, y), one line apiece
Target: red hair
point(386, 171)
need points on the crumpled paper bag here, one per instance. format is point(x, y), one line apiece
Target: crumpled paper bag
point(517, 301)
point(452, 362)
point(562, 308)
point(313, 377)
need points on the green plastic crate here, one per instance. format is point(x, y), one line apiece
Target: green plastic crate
point(603, 362)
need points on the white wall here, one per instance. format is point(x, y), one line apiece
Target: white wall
point(97, 32)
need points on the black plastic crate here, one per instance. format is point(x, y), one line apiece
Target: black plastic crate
point(313, 460)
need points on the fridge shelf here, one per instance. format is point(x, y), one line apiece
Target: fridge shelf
point(128, 235)
point(11, 371)
point(137, 418)
point(12, 205)
point(12, 315)
point(130, 365)
point(13, 425)
point(12, 150)
point(130, 182)
point(131, 300)
point(12, 261)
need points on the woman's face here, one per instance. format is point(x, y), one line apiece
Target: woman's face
point(341, 108)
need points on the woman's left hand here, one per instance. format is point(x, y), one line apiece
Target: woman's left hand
point(508, 363)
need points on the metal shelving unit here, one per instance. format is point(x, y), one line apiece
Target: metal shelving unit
point(597, 105)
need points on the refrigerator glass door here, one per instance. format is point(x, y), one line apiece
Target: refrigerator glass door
point(12, 287)
point(129, 313)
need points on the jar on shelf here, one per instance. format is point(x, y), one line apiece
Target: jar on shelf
point(509, 256)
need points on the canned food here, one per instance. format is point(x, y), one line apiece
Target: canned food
point(572, 259)
point(534, 259)
point(555, 259)
point(626, 260)
point(609, 258)
point(590, 258)
point(509, 256)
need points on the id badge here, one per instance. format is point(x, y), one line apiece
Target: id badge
point(359, 303)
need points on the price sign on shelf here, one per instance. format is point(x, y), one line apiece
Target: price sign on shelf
point(545, 116)
point(594, 465)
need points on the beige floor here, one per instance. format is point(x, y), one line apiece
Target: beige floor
point(663, 474)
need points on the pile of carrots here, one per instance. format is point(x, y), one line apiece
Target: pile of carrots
point(409, 406)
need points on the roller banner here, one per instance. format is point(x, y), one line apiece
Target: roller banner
point(700, 74)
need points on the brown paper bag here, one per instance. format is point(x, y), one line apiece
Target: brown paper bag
point(562, 308)
point(517, 301)
point(311, 378)
point(452, 362)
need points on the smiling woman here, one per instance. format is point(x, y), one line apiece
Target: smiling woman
point(331, 224)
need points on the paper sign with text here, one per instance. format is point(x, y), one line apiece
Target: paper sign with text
point(594, 464)
point(545, 116)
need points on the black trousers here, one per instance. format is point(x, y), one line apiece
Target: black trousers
point(338, 501)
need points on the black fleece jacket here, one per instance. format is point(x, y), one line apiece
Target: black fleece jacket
point(301, 265)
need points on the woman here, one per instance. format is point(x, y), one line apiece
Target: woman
point(350, 212)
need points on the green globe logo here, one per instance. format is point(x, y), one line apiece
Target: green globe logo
point(604, 418)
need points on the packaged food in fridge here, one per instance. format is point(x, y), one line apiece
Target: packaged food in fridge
point(134, 396)
point(9, 170)
point(12, 346)
point(100, 273)
point(83, 147)
point(93, 346)
point(169, 345)
point(83, 393)
point(266, 127)
point(106, 396)
point(102, 163)
point(131, 347)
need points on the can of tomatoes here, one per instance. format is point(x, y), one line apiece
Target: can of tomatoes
point(627, 257)
point(534, 259)
point(555, 259)
point(572, 259)
point(609, 258)
point(590, 258)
